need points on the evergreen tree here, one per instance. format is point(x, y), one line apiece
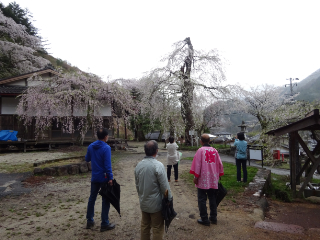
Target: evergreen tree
point(20, 16)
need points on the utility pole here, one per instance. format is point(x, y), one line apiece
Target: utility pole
point(291, 85)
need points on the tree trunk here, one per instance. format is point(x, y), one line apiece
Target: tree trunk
point(187, 92)
point(171, 129)
point(125, 130)
point(118, 134)
point(140, 134)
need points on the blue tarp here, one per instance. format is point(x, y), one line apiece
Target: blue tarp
point(6, 135)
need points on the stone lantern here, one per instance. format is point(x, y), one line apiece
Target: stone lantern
point(243, 128)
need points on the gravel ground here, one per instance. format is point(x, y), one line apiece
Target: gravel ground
point(32, 157)
point(55, 208)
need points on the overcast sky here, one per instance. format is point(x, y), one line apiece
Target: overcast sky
point(263, 41)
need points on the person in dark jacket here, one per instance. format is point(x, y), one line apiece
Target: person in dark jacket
point(99, 153)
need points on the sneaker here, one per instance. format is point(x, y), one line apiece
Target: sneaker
point(176, 180)
point(205, 223)
point(108, 227)
point(90, 225)
point(213, 221)
point(169, 180)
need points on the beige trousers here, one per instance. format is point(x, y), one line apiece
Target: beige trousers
point(154, 221)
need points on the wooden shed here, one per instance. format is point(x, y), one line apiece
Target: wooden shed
point(310, 123)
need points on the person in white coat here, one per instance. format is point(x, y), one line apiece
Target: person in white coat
point(173, 157)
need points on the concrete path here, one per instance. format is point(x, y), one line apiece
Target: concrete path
point(230, 159)
point(11, 184)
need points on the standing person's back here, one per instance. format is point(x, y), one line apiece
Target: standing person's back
point(151, 184)
point(172, 158)
point(98, 151)
point(241, 157)
point(207, 169)
point(99, 154)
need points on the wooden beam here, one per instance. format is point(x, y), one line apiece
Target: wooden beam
point(302, 124)
point(312, 113)
point(305, 148)
point(303, 168)
point(310, 175)
point(309, 154)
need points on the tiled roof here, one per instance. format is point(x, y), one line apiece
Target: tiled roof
point(12, 89)
point(27, 75)
point(222, 133)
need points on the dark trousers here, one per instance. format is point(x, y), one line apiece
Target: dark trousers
point(242, 162)
point(95, 187)
point(175, 167)
point(203, 194)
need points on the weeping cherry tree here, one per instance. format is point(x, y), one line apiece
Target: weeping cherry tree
point(188, 73)
point(68, 99)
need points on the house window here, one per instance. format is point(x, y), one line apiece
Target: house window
point(106, 123)
point(56, 125)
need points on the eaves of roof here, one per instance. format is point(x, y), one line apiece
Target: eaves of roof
point(27, 75)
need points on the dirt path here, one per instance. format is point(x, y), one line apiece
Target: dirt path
point(56, 209)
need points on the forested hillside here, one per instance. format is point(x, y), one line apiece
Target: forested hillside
point(309, 87)
point(22, 49)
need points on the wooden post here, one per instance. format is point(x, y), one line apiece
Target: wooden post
point(297, 157)
point(292, 150)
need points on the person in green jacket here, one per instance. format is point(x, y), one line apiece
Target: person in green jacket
point(151, 184)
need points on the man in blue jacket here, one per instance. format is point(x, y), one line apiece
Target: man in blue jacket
point(99, 153)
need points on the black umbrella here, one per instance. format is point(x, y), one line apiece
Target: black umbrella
point(222, 192)
point(112, 194)
point(168, 212)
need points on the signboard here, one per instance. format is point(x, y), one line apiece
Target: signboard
point(255, 154)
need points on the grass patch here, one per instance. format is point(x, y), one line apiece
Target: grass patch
point(278, 189)
point(284, 166)
point(229, 179)
point(187, 158)
point(195, 148)
point(16, 168)
point(60, 163)
point(314, 180)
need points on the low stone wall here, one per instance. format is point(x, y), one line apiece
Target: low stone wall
point(71, 169)
point(256, 191)
point(56, 160)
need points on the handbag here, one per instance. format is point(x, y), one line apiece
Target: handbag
point(222, 192)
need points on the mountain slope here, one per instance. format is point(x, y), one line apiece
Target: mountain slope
point(307, 88)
